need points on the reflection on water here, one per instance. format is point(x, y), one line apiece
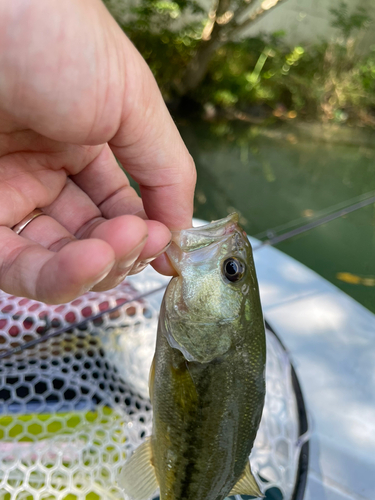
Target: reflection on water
point(271, 182)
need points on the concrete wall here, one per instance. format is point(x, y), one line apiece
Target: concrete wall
point(309, 20)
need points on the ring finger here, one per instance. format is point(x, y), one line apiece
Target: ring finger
point(31, 270)
point(49, 233)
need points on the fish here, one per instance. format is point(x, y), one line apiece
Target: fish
point(207, 379)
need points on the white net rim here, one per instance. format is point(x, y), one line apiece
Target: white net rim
point(304, 431)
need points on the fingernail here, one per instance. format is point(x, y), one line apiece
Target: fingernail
point(129, 260)
point(138, 268)
point(100, 277)
point(150, 259)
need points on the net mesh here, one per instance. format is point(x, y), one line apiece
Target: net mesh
point(73, 407)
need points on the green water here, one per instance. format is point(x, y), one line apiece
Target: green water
point(272, 181)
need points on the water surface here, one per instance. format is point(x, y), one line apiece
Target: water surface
point(272, 181)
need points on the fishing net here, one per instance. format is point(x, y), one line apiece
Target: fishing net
point(74, 406)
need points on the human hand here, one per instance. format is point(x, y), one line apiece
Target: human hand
point(74, 92)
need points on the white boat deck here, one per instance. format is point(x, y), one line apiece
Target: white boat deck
point(331, 341)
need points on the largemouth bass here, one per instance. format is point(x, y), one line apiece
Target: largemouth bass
point(207, 381)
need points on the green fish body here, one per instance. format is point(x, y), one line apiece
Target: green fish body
point(207, 382)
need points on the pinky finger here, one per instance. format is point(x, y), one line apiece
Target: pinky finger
point(29, 270)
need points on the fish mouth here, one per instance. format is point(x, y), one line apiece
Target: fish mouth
point(190, 240)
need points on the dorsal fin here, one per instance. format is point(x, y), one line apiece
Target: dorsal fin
point(247, 484)
point(137, 477)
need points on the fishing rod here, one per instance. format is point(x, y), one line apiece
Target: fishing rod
point(270, 232)
point(369, 198)
point(274, 240)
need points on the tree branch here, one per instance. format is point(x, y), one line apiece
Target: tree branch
point(220, 9)
point(241, 9)
point(266, 6)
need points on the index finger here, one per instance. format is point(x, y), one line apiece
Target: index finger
point(150, 148)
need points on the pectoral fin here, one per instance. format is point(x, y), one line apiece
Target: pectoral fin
point(247, 485)
point(137, 477)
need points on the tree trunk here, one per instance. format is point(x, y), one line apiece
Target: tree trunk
point(197, 68)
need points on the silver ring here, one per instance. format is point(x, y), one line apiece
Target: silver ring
point(24, 222)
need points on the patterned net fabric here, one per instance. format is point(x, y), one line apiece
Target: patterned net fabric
point(74, 406)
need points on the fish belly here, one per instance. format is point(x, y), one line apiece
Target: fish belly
point(205, 421)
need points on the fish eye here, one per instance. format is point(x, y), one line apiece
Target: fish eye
point(233, 269)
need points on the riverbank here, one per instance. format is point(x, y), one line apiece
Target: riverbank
point(322, 132)
point(287, 126)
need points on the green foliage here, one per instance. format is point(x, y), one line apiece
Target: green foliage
point(349, 23)
point(367, 72)
point(330, 81)
point(154, 14)
point(155, 28)
point(254, 71)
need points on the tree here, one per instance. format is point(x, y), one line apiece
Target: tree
point(224, 22)
point(227, 20)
